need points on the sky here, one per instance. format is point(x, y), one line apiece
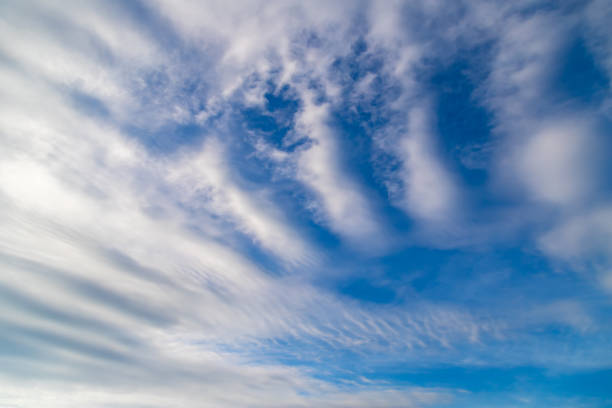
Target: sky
point(334, 204)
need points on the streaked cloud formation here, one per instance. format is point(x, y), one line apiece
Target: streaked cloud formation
point(320, 204)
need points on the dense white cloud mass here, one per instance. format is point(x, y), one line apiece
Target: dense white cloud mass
point(192, 193)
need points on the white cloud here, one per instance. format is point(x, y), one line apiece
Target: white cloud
point(558, 163)
point(429, 191)
point(583, 237)
point(105, 275)
point(125, 277)
point(344, 203)
point(202, 180)
point(549, 149)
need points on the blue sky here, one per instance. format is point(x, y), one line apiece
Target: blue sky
point(305, 204)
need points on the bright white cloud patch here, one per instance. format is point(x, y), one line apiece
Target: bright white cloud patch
point(429, 190)
point(559, 162)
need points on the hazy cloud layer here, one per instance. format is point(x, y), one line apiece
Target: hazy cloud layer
point(288, 204)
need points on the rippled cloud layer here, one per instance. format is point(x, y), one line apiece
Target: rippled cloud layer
point(305, 204)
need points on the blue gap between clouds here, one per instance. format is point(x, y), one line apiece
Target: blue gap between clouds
point(274, 120)
point(393, 278)
point(463, 125)
point(592, 383)
point(580, 78)
point(473, 279)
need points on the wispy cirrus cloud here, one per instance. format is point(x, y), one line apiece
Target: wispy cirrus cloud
point(255, 204)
